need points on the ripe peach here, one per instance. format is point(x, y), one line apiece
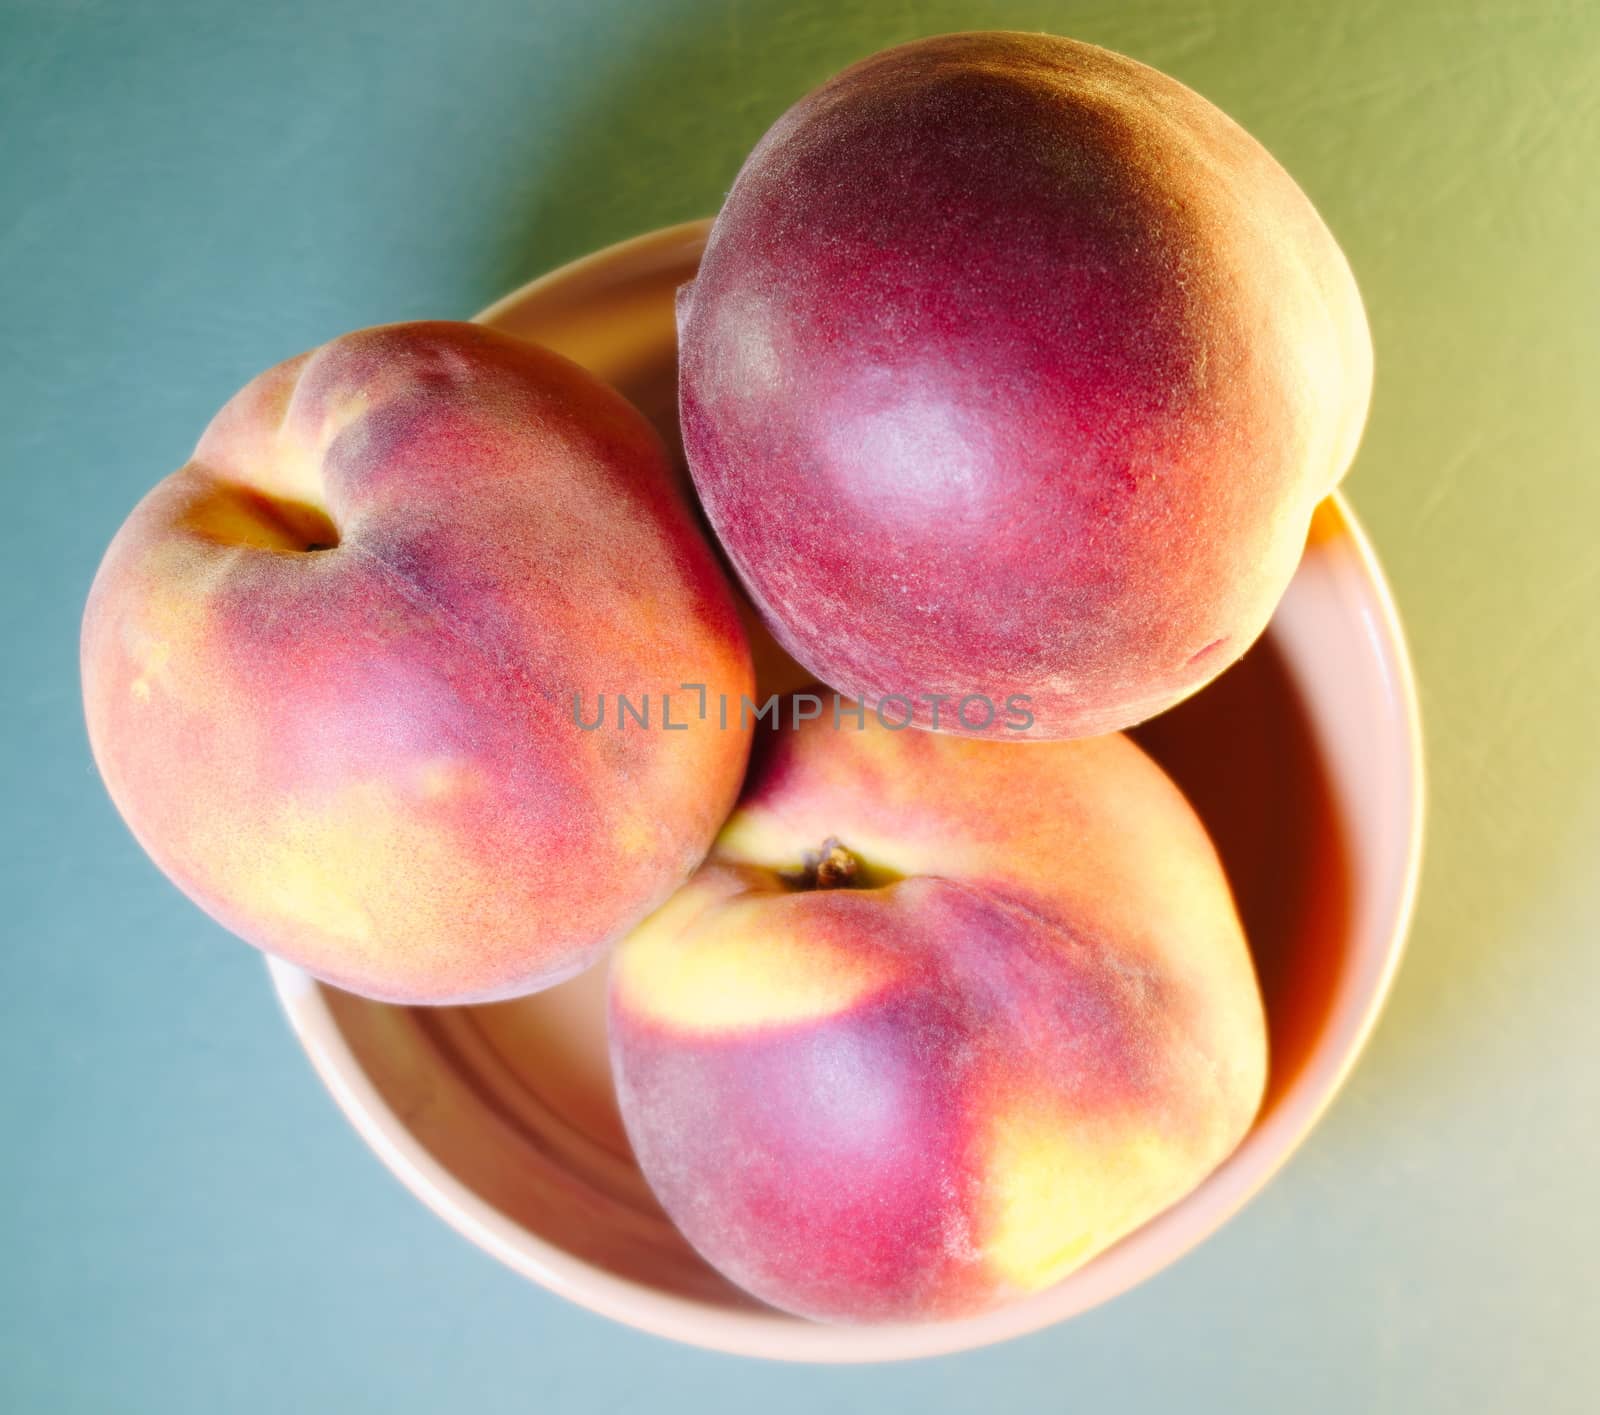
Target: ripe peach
point(938, 1020)
point(1015, 367)
point(329, 666)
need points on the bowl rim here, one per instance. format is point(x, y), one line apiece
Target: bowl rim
point(768, 1333)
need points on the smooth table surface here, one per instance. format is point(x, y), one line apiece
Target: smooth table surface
point(190, 192)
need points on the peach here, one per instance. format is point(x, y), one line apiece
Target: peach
point(1014, 367)
point(330, 667)
point(938, 1019)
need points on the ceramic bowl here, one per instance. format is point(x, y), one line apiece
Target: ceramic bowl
point(1304, 760)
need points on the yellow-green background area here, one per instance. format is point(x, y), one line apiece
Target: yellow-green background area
point(192, 190)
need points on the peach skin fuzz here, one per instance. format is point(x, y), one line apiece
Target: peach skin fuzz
point(938, 1020)
point(329, 666)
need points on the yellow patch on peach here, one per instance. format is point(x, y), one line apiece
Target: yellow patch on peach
point(154, 655)
point(340, 414)
point(1058, 1194)
point(294, 470)
point(768, 841)
point(443, 777)
point(318, 868)
point(635, 831)
point(167, 620)
point(319, 877)
point(743, 968)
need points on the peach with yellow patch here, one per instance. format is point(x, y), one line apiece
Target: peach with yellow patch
point(938, 1020)
point(329, 666)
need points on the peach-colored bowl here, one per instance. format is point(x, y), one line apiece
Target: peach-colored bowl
point(1305, 761)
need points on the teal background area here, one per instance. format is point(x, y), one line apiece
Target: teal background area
point(192, 191)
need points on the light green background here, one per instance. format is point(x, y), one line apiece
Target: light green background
point(190, 191)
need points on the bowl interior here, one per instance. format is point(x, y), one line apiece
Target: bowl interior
point(1303, 760)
